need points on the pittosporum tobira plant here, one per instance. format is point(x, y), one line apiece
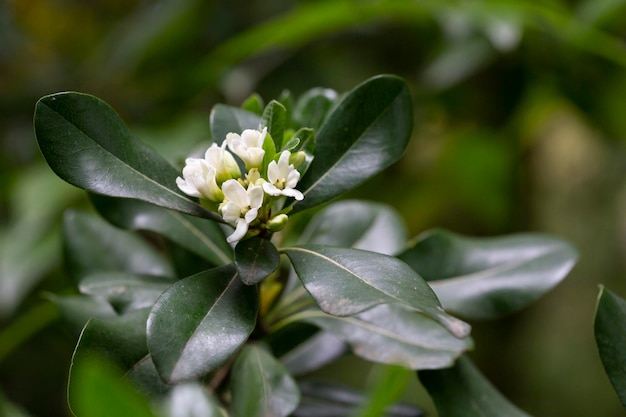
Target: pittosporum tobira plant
point(203, 291)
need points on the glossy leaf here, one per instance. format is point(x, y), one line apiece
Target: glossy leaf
point(199, 236)
point(275, 119)
point(93, 246)
point(347, 281)
point(77, 310)
point(261, 386)
point(610, 335)
point(199, 322)
point(100, 392)
point(191, 400)
point(313, 106)
point(313, 353)
point(125, 292)
point(86, 143)
point(482, 278)
point(365, 133)
point(357, 224)
point(227, 119)
point(394, 335)
point(256, 259)
point(462, 391)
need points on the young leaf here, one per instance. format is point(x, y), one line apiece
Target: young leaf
point(261, 386)
point(199, 236)
point(93, 246)
point(395, 335)
point(315, 352)
point(462, 391)
point(357, 224)
point(313, 107)
point(275, 119)
point(347, 281)
point(367, 131)
point(87, 144)
point(226, 119)
point(199, 322)
point(483, 278)
point(256, 259)
point(254, 104)
point(611, 338)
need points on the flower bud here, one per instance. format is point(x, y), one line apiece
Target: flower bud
point(277, 223)
point(297, 159)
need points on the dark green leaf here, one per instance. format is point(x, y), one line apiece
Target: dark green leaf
point(484, 278)
point(306, 143)
point(357, 224)
point(367, 131)
point(261, 386)
point(93, 246)
point(610, 334)
point(313, 353)
point(275, 119)
point(125, 292)
point(191, 400)
point(199, 236)
point(226, 119)
point(313, 107)
point(99, 391)
point(347, 281)
point(87, 144)
point(77, 310)
point(462, 391)
point(199, 322)
point(394, 335)
point(256, 259)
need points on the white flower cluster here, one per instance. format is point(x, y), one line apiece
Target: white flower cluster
point(244, 201)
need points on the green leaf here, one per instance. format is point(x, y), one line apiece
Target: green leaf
point(227, 119)
point(483, 278)
point(611, 338)
point(92, 246)
point(313, 107)
point(357, 224)
point(261, 386)
point(275, 119)
point(77, 310)
point(199, 322)
point(191, 400)
point(87, 144)
point(462, 391)
point(256, 259)
point(254, 104)
point(395, 335)
point(313, 353)
point(199, 236)
point(367, 131)
point(347, 281)
point(100, 392)
point(125, 292)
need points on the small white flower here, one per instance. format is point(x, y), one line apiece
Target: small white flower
point(240, 207)
point(248, 146)
point(223, 161)
point(283, 178)
point(199, 180)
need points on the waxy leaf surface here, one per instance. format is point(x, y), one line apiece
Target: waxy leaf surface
point(87, 144)
point(227, 119)
point(484, 278)
point(275, 119)
point(256, 259)
point(199, 322)
point(199, 236)
point(462, 391)
point(313, 353)
point(395, 335)
point(344, 282)
point(261, 386)
point(610, 334)
point(366, 132)
point(93, 246)
point(359, 225)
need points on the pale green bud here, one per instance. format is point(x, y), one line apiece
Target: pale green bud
point(277, 223)
point(297, 159)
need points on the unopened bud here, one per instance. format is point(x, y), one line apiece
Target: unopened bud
point(297, 159)
point(277, 223)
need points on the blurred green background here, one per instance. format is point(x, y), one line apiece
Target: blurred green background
point(519, 126)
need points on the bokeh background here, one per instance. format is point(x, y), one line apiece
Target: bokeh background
point(520, 125)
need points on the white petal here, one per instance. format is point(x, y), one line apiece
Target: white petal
point(292, 192)
point(239, 233)
point(235, 193)
point(255, 196)
point(271, 189)
point(273, 172)
point(292, 178)
point(186, 188)
point(251, 215)
point(254, 157)
point(230, 212)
